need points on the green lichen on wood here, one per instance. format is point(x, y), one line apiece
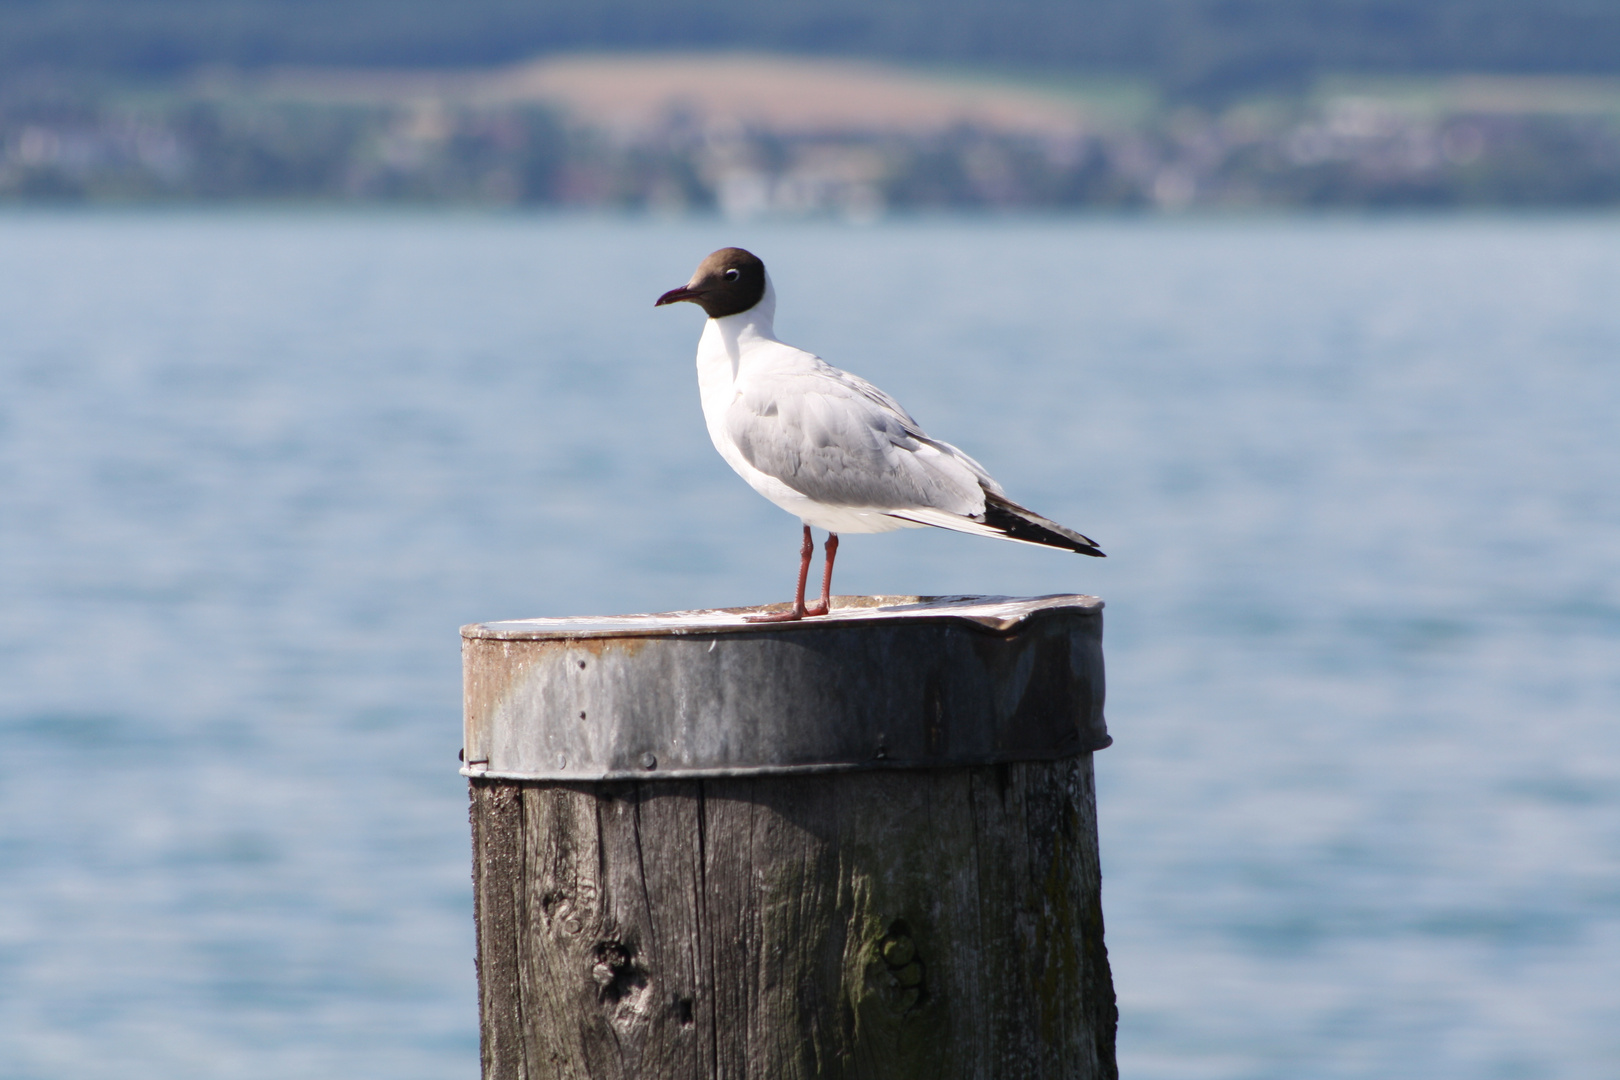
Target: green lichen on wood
point(890, 1030)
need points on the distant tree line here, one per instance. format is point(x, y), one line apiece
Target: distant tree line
point(1346, 152)
point(1200, 49)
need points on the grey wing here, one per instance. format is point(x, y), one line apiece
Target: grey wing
point(843, 442)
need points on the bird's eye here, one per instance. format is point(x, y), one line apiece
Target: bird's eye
point(731, 275)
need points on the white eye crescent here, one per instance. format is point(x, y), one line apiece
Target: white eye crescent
point(731, 275)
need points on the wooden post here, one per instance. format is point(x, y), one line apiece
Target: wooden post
point(858, 846)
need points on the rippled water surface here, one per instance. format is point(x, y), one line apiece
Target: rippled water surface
point(1359, 482)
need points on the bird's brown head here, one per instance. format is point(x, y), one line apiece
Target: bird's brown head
point(726, 283)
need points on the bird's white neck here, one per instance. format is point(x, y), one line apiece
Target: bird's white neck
point(732, 333)
point(720, 356)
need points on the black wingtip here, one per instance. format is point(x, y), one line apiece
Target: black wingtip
point(1017, 523)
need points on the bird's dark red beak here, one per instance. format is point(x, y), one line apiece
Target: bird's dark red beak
point(675, 296)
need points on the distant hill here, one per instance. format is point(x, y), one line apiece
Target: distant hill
point(1193, 47)
point(749, 134)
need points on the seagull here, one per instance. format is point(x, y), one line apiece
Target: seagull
point(827, 446)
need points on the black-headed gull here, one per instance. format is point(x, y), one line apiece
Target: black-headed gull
point(828, 446)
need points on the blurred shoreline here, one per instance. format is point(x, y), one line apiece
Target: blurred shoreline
point(752, 136)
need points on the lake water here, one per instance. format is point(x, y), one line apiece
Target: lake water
point(1359, 482)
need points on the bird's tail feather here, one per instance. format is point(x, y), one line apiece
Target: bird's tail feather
point(1005, 520)
point(1018, 523)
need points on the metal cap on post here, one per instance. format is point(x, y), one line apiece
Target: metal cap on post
point(859, 845)
point(880, 682)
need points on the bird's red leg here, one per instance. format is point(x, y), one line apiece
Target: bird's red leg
point(826, 579)
point(806, 553)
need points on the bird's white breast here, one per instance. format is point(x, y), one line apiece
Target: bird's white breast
point(732, 352)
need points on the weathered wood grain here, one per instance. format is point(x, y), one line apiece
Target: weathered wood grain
point(497, 909)
point(927, 923)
